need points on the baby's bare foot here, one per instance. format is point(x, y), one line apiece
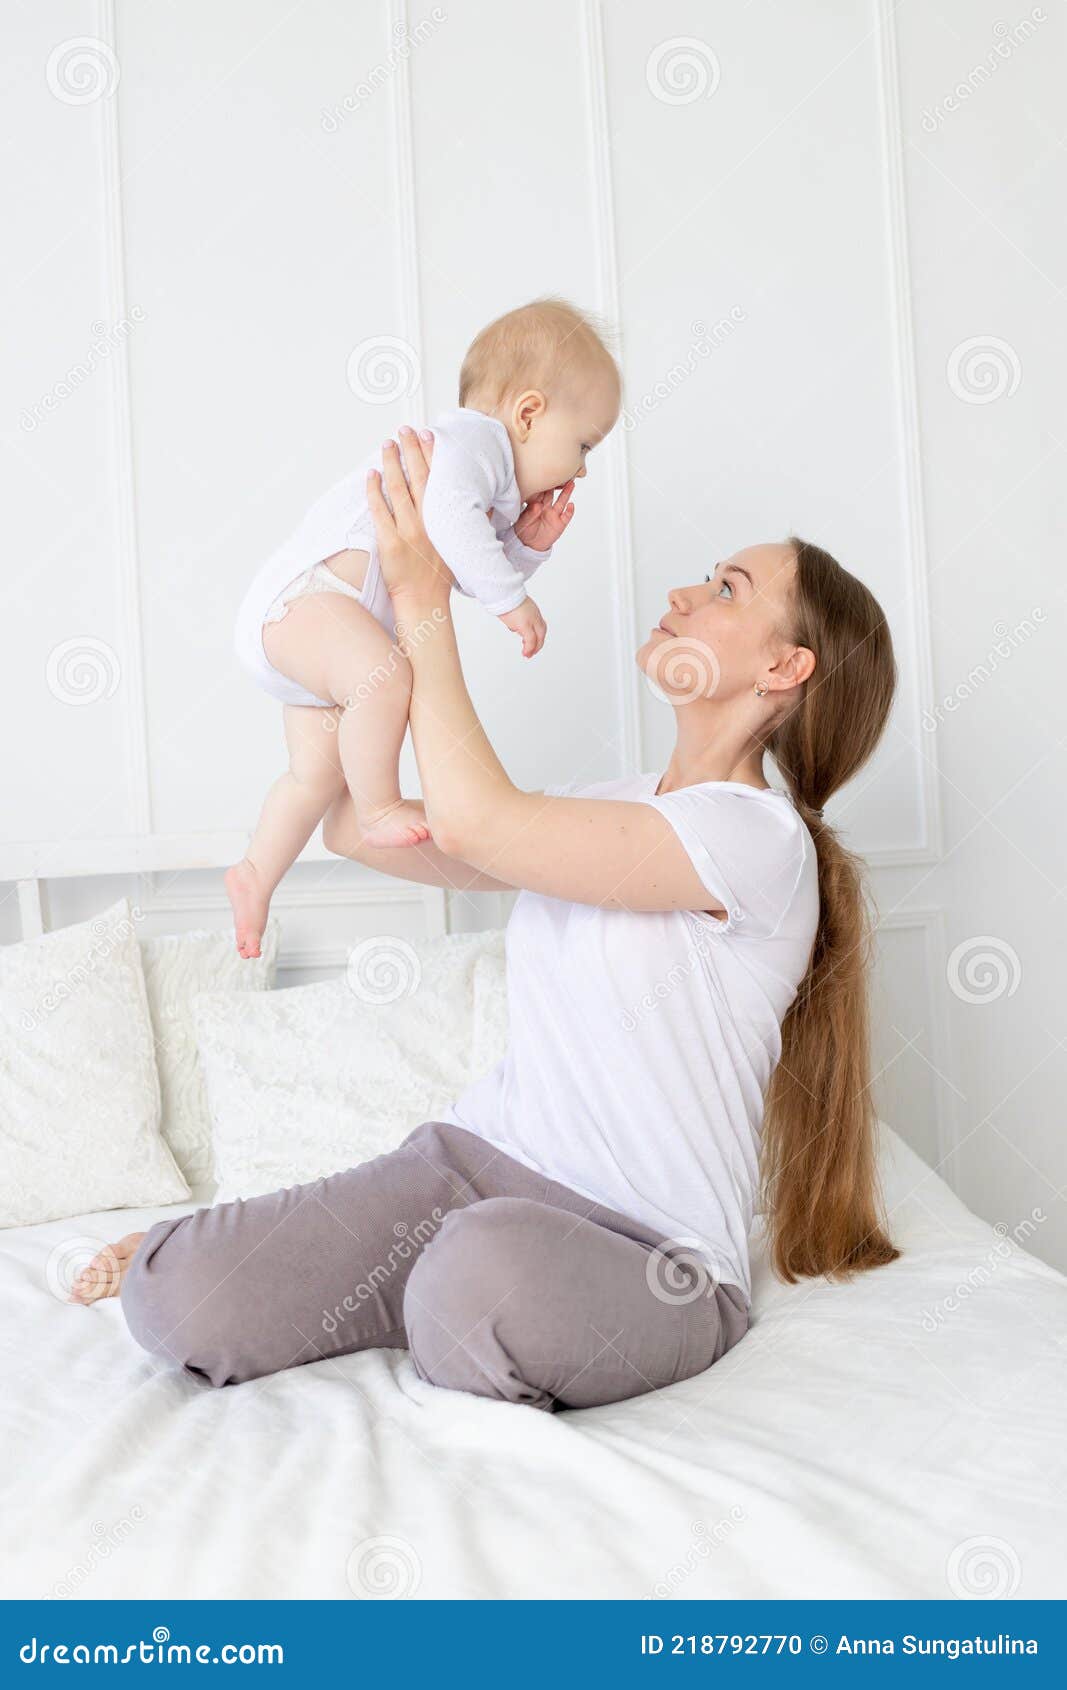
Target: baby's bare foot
point(402, 823)
point(105, 1273)
point(251, 906)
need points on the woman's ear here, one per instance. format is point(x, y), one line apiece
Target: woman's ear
point(795, 668)
point(807, 662)
point(526, 410)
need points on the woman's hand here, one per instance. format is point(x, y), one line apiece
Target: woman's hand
point(414, 572)
point(615, 854)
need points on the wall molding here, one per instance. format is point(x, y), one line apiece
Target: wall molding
point(185, 902)
point(908, 424)
point(929, 921)
point(404, 203)
point(304, 959)
point(33, 866)
point(907, 856)
point(134, 853)
point(620, 528)
point(124, 486)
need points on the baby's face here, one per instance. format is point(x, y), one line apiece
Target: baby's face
point(562, 436)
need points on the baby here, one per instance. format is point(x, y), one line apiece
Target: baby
point(537, 391)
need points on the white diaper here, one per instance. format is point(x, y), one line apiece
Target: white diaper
point(320, 578)
point(268, 599)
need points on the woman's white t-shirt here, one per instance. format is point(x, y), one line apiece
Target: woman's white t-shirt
point(641, 1044)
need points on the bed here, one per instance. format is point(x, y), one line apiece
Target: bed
point(898, 1437)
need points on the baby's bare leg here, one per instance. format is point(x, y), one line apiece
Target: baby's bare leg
point(294, 806)
point(337, 650)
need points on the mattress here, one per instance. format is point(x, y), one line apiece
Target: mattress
point(899, 1436)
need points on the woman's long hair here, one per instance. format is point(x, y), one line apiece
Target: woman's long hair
point(819, 1151)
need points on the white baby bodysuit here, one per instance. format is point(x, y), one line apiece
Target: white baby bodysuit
point(473, 472)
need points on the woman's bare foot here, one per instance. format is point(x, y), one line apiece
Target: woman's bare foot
point(250, 904)
point(105, 1273)
point(402, 823)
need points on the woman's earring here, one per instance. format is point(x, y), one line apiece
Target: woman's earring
point(760, 688)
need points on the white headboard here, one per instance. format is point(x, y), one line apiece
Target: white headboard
point(31, 866)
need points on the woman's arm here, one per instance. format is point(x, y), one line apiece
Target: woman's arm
point(592, 851)
point(426, 864)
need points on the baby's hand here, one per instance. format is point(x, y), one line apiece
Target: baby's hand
point(527, 620)
point(545, 518)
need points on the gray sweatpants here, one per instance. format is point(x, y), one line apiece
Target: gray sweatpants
point(498, 1281)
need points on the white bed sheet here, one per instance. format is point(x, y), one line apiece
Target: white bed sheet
point(847, 1447)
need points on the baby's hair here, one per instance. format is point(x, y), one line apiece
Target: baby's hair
point(545, 344)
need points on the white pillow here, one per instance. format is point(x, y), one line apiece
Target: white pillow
point(79, 1096)
point(490, 1037)
point(312, 1079)
point(176, 968)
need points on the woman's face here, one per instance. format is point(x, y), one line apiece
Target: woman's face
point(717, 638)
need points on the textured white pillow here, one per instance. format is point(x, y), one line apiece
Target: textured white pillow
point(79, 1096)
point(490, 1036)
point(176, 968)
point(308, 1080)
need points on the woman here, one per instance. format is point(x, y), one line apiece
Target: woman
point(687, 976)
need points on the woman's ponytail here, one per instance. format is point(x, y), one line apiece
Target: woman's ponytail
point(819, 1149)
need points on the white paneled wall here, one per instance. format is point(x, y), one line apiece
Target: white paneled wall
point(211, 209)
point(981, 101)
